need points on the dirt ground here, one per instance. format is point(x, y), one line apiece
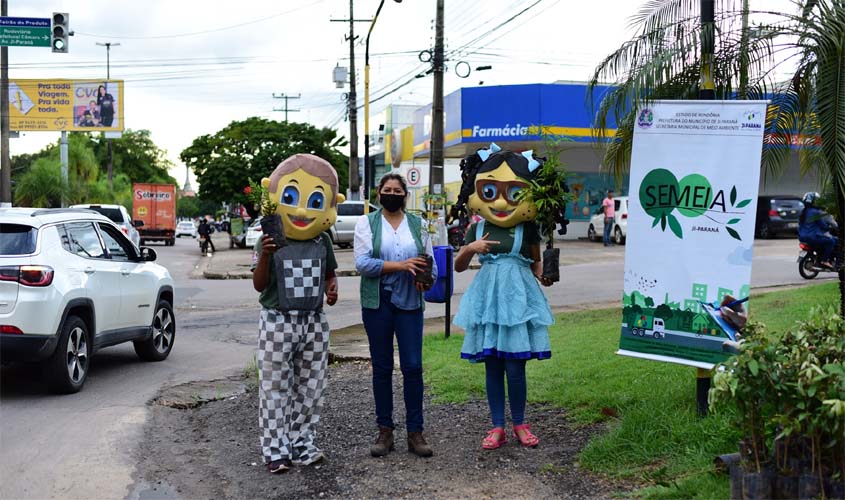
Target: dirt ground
point(212, 451)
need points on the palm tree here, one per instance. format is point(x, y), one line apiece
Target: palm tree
point(41, 186)
point(665, 61)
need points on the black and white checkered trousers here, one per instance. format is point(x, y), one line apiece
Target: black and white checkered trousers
point(293, 354)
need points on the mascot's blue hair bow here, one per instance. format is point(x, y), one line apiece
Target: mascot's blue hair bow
point(494, 148)
point(485, 153)
point(532, 163)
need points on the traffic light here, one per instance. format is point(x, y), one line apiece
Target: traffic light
point(60, 32)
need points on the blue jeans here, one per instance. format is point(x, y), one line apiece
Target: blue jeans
point(823, 244)
point(381, 325)
point(608, 225)
point(517, 391)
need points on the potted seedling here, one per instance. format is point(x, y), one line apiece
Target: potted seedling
point(271, 222)
point(550, 194)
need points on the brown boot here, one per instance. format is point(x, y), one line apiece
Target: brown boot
point(384, 442)
point(418, 446)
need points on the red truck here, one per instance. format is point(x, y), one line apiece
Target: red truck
point(155, 205)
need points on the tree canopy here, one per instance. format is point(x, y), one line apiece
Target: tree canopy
point(136, 158)
point(250, 149)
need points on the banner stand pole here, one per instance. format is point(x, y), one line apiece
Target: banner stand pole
point(706, 91)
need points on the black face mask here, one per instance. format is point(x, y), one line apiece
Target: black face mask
point(392, 202)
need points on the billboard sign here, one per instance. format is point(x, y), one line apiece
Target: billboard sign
point(79, 105)
point(695, 172)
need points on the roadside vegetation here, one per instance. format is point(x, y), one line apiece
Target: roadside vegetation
point(654, 436)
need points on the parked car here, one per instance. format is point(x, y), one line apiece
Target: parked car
point(253, 233)
point(71, 283)
point(186, 228)
point(120, 216)
point(620, 222)
point(777, 215)
point(348, 213)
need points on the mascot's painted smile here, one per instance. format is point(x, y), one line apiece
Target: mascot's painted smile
point(300, 221)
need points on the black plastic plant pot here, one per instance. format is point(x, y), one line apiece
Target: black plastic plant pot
point(736, 481)
point(809, 486)
point(551, 264)
point(271, 225)
point(757, 485)
point(835, 488)
point(425, 276)
point(786, 487)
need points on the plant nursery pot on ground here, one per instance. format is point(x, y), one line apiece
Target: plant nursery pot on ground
point(271, 225)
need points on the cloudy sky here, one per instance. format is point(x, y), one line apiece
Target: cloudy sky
point(193, 66)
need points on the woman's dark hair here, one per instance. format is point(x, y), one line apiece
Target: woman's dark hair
point(473, 165)
point(392, 176)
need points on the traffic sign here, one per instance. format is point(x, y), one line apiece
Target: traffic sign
point(24, 32)
point(414, 176)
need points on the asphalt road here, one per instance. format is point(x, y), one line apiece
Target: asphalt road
point(81, 446)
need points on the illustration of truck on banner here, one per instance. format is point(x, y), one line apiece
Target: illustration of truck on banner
point(155, 204)
point(642, 329)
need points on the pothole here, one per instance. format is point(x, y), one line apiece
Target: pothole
point(194, 394)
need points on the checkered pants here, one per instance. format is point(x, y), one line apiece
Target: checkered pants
point(293, 353)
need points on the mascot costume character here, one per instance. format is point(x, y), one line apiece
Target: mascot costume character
point(293, 343)
point(504, 312)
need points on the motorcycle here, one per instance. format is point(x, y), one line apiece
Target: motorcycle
point(203, 239)
point(809, 261)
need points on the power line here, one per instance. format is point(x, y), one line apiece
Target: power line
point(204, 32)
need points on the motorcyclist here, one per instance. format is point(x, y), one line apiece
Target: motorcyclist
point(814, 229)
point(204, 230)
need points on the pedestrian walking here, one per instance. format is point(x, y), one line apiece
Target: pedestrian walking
point(390, 253)
point(293, 345)
point(504, 312)
point(607, 206)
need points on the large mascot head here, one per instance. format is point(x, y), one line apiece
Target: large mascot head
point(305, 187)
point(492, 181)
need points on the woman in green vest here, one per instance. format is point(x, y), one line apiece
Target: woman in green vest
point(390, 250)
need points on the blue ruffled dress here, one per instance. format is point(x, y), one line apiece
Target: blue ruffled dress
point(504, 312)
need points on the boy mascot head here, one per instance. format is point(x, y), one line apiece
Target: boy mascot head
point(305, 187)
point(492, 181)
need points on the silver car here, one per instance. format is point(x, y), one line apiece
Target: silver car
point(348, 213)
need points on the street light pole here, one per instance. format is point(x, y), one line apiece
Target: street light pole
point(108, 46)
point(367, 109)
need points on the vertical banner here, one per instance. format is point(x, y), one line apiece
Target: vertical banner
point(695, 172)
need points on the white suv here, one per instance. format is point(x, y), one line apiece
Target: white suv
point(71, 283)
point(348, 213)
point(620, 222)
point(120, 216)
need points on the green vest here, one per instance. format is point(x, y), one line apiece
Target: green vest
point(370, 286)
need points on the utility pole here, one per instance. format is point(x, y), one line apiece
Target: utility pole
point(5, 160)
point(286, 109)
point(354, 179)
point(435, 166)
point(706, 91)
point(110, 164)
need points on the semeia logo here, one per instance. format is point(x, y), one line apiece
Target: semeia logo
point(645, 118)
point(693, 196)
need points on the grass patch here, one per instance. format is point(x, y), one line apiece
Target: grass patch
point(657, 438)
